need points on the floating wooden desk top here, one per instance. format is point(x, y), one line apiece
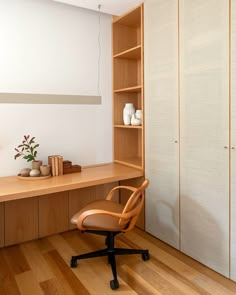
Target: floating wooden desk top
point(12, 188)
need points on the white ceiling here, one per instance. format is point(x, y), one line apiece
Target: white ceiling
point(115, 7)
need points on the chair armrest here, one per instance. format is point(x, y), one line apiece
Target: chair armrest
point(85, 214)
point(111, 193)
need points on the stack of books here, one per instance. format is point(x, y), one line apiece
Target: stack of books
point(56, 163)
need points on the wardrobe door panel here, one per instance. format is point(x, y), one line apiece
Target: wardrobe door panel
point(161, 119)
point(233, 141)
point(204, 108)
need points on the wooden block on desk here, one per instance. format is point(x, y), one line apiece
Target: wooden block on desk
point(72, 169)
point(67, 164)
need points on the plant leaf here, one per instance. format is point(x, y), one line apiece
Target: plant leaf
point(32, 140)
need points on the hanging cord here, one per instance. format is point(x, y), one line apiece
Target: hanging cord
point(99, 49)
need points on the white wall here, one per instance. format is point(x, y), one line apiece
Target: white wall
point(48, 47)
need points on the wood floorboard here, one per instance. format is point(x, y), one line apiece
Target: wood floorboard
point(16, 259)
point(41, 267)
point(8, 284)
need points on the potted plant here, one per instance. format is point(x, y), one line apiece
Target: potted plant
point(28, 151)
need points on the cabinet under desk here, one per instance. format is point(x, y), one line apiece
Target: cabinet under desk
point(34, 209)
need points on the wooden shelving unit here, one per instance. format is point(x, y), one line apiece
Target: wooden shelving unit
point(128, 86)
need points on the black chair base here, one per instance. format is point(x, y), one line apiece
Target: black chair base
point(111, 253)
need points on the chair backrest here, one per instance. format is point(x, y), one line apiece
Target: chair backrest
point(133, 207)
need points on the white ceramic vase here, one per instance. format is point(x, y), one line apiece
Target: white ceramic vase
point(138, 114)
point(128, 111)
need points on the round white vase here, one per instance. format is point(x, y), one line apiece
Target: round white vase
point(128, 111)
point(138, 114)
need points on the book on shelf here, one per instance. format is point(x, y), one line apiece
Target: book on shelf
point(60, 165)
point(56, 162)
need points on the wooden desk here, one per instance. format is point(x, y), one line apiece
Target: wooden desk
point(33, 209)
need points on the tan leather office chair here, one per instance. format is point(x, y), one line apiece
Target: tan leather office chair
point(109, 218)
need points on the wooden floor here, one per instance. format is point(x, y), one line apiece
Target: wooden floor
point(41, 267)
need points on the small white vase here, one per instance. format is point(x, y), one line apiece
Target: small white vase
point(138, 114)
point(135, 121)
point(128, 111)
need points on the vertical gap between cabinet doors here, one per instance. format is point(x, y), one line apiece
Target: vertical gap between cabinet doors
point(178, 48)
point(230, 36)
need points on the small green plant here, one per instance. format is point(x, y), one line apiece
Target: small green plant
point(27, 149)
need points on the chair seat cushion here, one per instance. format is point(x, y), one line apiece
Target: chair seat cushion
point(101, 221)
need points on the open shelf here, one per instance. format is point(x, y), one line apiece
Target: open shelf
point(126, 73)
point(119, 101)
point(137, 88)
point(128, 86)
point(127, 31)
point(130, 19)
point(132, 53)
point(132, 162)
point(128, 145)
point(128, 126)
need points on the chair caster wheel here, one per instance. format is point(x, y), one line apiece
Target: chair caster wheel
point(73, 262)
point(145, 256)
point(114, 284)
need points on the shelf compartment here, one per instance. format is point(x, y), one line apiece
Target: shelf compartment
point(127, 73)
point(132, 162)
point(131, 18)
point(119, 101)
point(132, 53)
point(128, 145)
point(127, 31)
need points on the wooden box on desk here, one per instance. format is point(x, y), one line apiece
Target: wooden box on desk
point(69, 168)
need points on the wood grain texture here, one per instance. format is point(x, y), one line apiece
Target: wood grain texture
point(128, 86)
point(53, 214)
point(102, 190)
point(161, 117)
point(204, 92)
point(78, 199)
point(27, 284)
point(233, 141)
point(13, 188)
point(21, 221)
point(168, 272)
point(17, 262)
point(2, 217)
point(36, 261)
point(7, 280)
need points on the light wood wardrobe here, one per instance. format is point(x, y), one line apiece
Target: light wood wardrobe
point(190, 143)
point(233, 142)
